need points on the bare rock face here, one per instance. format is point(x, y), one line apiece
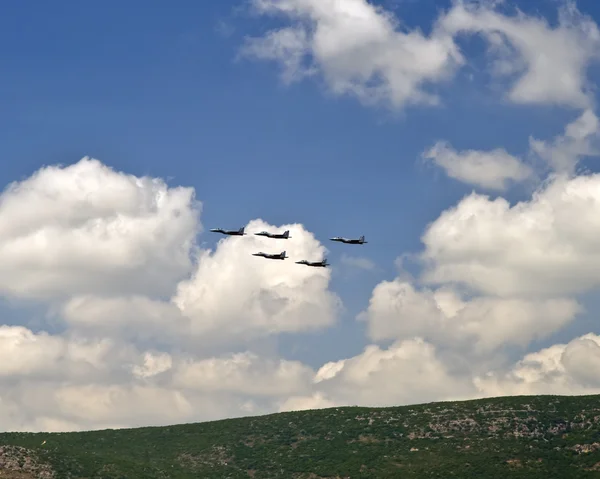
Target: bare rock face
point(21, 463)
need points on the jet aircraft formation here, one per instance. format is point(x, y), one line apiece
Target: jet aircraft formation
point(286, 235)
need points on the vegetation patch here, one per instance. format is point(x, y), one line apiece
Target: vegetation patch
point(541, 437)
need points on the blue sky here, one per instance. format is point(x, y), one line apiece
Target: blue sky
point(161, 91)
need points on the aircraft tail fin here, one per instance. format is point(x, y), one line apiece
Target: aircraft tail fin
point(362, 238)
point(241, 230)
point(283, 254)
point(286, 234)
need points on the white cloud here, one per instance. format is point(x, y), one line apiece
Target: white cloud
point(362, 49)
point(357, 48)
point(546, 246)
point(85, 229)
point(270, 296)
point(244, 373)
point(154, 363)
point(407, 372)
point(502, 275)
point(26, 353)
point(288, 46)
point(50, 381)
point(42, 355)
point(492, 169)
point(132, 318)
point(572, 368)
point(123, 387)
point(550, 62)
point(412, 371)
point(95, 373)
point(157, 331)
point(579, 139)
point(357, 262)
point(479, 325)
point(89, 241)
point(121, 404)
point(303, 403)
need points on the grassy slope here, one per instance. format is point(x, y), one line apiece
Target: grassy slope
point(515, 437)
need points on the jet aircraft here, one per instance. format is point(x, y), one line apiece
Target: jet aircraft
point(284, 235)
point(318, 264)
point(271, 256)
point(239, 232)
point(360, 240)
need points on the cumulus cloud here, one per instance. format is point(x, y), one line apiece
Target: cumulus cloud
point(90, 243)
point(119, 405)
point(155, 330)
point(271, 296)
point(133, 318)
point(357, 48)
point(86, 228)
point(41, 355)
point(580, 139)
point(412, 371)
point(408, 371)
point(572, 368)
point(244, 374)
point(153, 364)
point(397, 310)
point(492, 169)
point(119, 349)
point(546, 246)
point(26, 353)
point(549, 63)
point(67, 382)
point(228, 296)
point(61, 382)
point(503, 275)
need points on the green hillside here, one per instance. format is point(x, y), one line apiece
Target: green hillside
point(515, 437)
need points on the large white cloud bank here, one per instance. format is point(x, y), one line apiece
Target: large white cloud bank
point(146, 323)
point(144, 326)
point(137, 355)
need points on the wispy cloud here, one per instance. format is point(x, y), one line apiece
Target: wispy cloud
point(358, 262)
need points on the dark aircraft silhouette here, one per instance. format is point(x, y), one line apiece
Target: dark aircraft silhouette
point(271, 256)
point(239, 232)
point(285, 235)
point(318, 264)
point(360, 240)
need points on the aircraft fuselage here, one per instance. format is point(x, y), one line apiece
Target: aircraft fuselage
point(319, 264)
point(285, 235)
point(349, 241)
point(271, 256)
point(228, 232)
